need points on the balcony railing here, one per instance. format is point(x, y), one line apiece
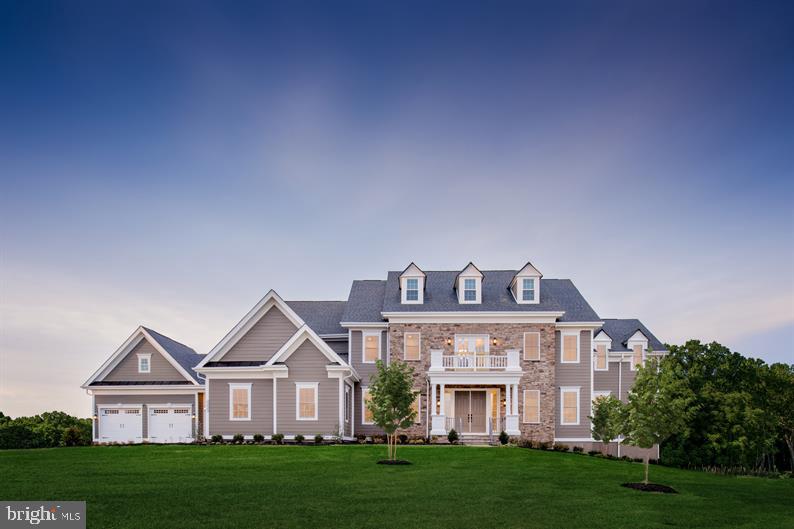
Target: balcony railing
point(473, 361)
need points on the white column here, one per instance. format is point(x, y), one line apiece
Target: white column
point(275, 422)
point(433, 399)
point(341, 407)
point(442, 409)
point(93, 421)
point(515, 399)
point(352, 408)
point(509, 401)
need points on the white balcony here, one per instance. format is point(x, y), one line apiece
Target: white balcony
point(469, 362)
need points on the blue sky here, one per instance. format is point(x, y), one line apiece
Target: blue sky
point(167, 163)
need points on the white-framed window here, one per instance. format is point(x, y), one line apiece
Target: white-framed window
point(528, 289)
point(412, 289)
point(417, 407)
point(598, 395)
point(472, 343)
point(240, 401)
point(532, 345)
point(569, 405)
point(570, 348)
point(637, 356)
point(531, 406)
point(347, 403)
point(469, 289)
point(366, 414)
point(601, 361)
point(370, 347)
point(306, 401)
point(411, 346)
point(144, 363)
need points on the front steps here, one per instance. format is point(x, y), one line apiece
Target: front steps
point(477, 440)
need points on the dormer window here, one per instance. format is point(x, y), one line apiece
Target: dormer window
point(528, 289)
point(525, 285)
point(412, 289)
point(468, 284)
point(470, 289)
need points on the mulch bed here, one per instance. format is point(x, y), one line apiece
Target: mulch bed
point(650, 487)
point(394, 462)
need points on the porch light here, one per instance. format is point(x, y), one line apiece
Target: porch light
point(194, 416)
point(449, 341)
point(95, 417)
point(494, 341)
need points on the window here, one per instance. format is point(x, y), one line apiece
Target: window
point(528, 289)
point(636, 358)
point(240, 402)
point(531, 346)
point(412, 289)
point(417, 407)
point(570, 348)
point(144, 363)
point(347, 403)
point(471, 343)
point(470, 289)
point(411, 346)
point(569, 410)
point(306, 401)
point(601, 357)
point(531, 406)
point(371, 347)
point(366, 414)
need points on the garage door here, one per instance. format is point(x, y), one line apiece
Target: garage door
point(170, 424)
point(120, 425)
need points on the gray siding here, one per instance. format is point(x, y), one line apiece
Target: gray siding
point(574, 375)
point(146, 400)
point(161, 369)
point(261, 407)
point(613, 380)
point(263, 339)
point(339, 347)
point(356, 354)
point(364, 429)
point(307, 364)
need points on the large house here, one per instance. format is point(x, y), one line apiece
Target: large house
point(492, 351)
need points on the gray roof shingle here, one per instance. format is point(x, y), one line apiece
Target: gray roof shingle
point(184, 355)
point(365, 302)
point(620, 330)
point(322, 316)
point(440, 296)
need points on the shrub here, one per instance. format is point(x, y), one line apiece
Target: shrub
point(525, 442)
point(361, 438)
point(593, 452)
point(299, 439)
point(543, 445)
point(238, 439)
point(403, 438)
point(318, 439)
point(560, 447)
point(578, 449)
point(278, 438)
point(453, 436)
point(258, 437)
point(217, 438)
point(74, 436)
point(377, 439)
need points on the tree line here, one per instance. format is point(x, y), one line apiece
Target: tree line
point(47, 430)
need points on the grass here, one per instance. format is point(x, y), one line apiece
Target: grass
point(341, 486)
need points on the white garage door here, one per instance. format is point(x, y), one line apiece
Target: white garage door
point(120, 425)
point(170, 424)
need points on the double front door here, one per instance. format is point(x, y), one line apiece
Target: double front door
point(470, 411)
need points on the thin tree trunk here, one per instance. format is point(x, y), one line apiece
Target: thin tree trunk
point(604, 447)
point(790, 443)
point(647, 463)
point(395, 445)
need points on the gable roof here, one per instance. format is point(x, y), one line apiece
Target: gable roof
point(470, 265)
point(182, 357)
point(322, 316)
point(620, 330)
point(421, 272)
point(301, 335)
point(555, 295)
point(527, 269)
point(365, 301)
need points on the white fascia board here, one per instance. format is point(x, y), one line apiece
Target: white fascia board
point(235, 373)
point(342, 336)
point(168, 357)
point(474, 317)
point(270, 300)
point(301, 335)
point(149, 390)
point(492, 377)
point(581, 325)
point(343, 372)
point(128, 345)
point(364, 324)
point(602, 337)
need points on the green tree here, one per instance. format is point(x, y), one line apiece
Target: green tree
point(607, 420)
point(780, 385)
point(659, 406)
point(391, 400)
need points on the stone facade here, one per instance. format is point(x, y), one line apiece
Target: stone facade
point(537, 374)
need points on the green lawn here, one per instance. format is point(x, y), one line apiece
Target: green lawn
point(341, 486)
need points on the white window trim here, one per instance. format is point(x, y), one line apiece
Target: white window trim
point(606, 356)
point(533, 289)
point(418, 418)
point(570, 389)
point(524, 344)
point(404, 289)
point(364, 335)
point(364, 408)
point(148, 357)
point(518, 292)
point(232, 387)
point(524, 404)
point(303, 385)
point(562, 347)
point(405, 353)
point(644, 346)
point(487, 342)
point(345, 401)
point(477, 291)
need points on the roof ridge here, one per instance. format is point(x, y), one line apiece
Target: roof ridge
point(315, 301)
point(168, 338)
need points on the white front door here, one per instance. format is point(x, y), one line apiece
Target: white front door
point(170, 424)
point(120, 425)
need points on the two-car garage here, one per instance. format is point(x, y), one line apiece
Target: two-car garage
point(141, 422)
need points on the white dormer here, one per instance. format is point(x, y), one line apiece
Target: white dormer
point(468, 284)
point(638, 345)
point(525, 285)
point(412, 285)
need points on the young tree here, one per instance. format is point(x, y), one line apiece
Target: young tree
point(659, 406)
point(391, 400)
point(607, 420)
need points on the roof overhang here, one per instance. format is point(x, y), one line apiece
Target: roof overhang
point(474, 317)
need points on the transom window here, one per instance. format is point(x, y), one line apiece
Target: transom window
point(471, 343)
point(528, 289)
point(144, 363)
point(306, 401)
point(240, 402)
point(371, 347)
point(412, 289)
point(470, 289)
point(412, 349)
